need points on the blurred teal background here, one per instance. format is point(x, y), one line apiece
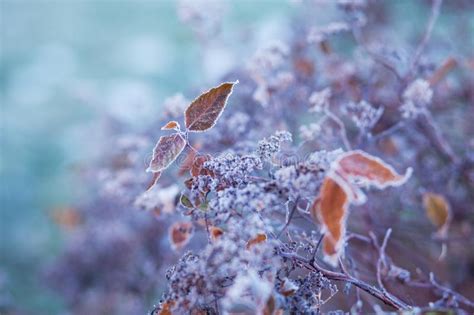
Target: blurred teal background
point(65, 65)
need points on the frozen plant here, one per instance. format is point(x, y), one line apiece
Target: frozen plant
point(416, 98)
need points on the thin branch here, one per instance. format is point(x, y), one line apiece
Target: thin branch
point(356, 236)
point(342, 128)
point(433, 133)
point(385, 297)
point(313, 256)
point(376, 57)
point(389, 131)
point(290, 216)
point(435, 9)
point(448, 65)
point(382, 259)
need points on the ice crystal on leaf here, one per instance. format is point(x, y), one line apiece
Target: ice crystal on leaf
point(203, 112)
point(165, 152)
point(341, 188)
point(270, 146)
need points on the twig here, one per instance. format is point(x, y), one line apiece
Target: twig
point(458, 296)
point(342, 128)
point(435, 9)
point(354, 273)
point(313, 256)
point(356, 236)
point(385, 297)
point(290, 216)
point(382, 259)
point(442, 71)
point(389, 131)
point(433, 133)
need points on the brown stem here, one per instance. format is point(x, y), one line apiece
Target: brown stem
point(433, 133)
point(435, 9)
point(442, 71)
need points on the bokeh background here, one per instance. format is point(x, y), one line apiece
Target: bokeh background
point(66, 67)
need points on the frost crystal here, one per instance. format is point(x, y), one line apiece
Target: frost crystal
point(270, 146)
point(269, 57)
point(417, 96)
point(320, 100)
point(233, 168)
point(364, 115)
point(310, 132)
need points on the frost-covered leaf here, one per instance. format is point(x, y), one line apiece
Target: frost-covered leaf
point(180, 233)
point(165, 152)
point(186, 202)
point(248, 294)
point(270, 307)
point(259, 238)
point(204, 111)
point(165, 308)
point(173, 124)
point(369, 169)
point(341, 188)
point(438, 210)
point(198, 166)
point(156, 176)
point(331, 209)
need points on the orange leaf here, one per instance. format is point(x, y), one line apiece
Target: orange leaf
point(315, 209)
point(171, 125)
point(204, 111)
point(438, 210)
point(165, 152)
point(261, 237)
point(288, 287)
point(332, 209)
point(370, 169)
point(340, 189)
point(165, 308)
point(180, 233)
point(215, 232)
point(67, 218)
